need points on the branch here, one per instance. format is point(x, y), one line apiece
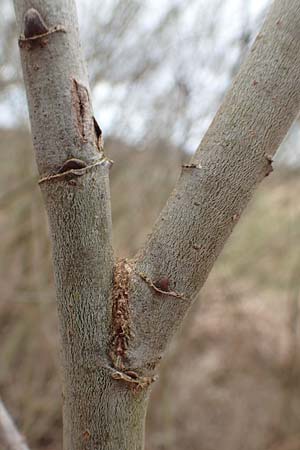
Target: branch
point(213, 190)
point(13, 439)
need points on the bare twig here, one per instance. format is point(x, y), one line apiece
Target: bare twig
point(13, 440)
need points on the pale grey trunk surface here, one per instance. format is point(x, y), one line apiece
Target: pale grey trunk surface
point(99, 411)
point(116, 319)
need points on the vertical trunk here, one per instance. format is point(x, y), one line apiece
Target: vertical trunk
point(99, 411)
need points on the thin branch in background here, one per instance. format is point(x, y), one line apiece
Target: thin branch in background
point(12, 438)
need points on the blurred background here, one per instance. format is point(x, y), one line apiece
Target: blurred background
point(159, 70)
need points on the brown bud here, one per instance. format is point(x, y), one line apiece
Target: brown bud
point(162, 284)
point(34, 24)
point(86, 435)
point(72, 164)
point(269, 165)
point(98, 133)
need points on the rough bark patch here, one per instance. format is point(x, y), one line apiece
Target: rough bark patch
point(121, 329)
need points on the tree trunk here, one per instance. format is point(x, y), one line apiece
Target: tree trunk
point(98, 411)
point(116, 318)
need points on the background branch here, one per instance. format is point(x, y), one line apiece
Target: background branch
point(10, 434)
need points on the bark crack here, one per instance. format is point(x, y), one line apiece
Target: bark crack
point(81, 103)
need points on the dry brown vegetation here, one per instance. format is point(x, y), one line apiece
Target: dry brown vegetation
point(231, 379)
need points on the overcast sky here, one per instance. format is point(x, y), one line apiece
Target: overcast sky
point(207, 80)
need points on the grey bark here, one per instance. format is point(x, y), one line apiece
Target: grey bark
point(98, 411)
point(116, 319)
point(11, 437)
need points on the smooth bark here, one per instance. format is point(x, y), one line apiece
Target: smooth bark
point(117, 318)
point(99, 412)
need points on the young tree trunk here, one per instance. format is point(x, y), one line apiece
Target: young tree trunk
point(117, 317)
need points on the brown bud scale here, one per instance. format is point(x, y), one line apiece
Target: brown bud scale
point(34, 24)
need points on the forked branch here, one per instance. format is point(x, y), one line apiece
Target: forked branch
point(234, 156)
point(114, 333)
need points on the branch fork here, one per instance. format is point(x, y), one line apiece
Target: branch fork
point(101, 313)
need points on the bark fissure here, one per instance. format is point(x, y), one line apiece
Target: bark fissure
point(82, 107)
